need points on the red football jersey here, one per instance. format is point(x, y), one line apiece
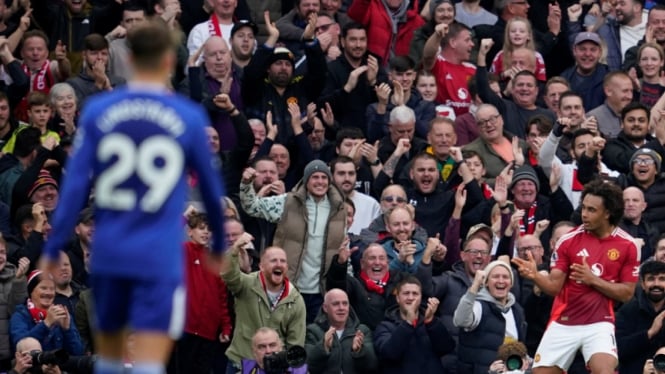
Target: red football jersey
point(452, 84)
point(614, 259)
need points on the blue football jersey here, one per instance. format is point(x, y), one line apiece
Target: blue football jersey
point(135, 146)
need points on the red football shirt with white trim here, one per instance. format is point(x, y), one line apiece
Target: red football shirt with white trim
point(452, 84)
point(614, 259)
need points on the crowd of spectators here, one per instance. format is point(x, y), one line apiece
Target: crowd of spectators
point(384, 160)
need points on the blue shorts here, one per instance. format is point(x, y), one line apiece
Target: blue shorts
point(138, 304)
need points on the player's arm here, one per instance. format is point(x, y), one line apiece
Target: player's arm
point(549, 283)
point(619, 291)
point(622, 292)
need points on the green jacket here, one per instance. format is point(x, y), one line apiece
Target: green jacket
point(252, 310)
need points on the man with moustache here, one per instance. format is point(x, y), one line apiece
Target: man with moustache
point(639, 323)
point(280, 304)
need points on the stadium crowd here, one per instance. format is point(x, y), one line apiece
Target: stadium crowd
point(411, 185)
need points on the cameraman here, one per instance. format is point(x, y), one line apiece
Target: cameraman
point(265, 342)
point(510, 352)
point(24, 349)
point(650, 368)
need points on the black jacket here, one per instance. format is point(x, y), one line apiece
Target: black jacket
point(618, 151)
point(632, 322)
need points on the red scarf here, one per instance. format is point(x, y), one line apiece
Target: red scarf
point(533, 158)
point(487, 191)
point(282, 294)
point(577, 186)
point(530, 217)
point(41, 83)
point(375, 286)
point(37, 314)
point(213, 25)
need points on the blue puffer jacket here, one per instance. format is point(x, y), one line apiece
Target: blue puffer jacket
point(22, 325)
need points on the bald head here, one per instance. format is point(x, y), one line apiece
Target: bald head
point(333, 294)
point(28, 344)
point(633, 204)
point(217, 57)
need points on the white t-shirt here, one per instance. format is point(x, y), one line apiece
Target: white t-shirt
point(201, 32)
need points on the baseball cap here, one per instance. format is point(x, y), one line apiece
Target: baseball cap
point(244, 23)
point(587, 37)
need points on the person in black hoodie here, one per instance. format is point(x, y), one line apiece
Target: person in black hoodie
point(411, 337)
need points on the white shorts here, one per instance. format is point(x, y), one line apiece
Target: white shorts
point(560, 343)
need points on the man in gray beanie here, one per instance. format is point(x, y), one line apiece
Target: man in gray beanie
point(311, 227)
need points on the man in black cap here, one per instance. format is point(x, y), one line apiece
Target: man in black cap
point(524, 189)
point(270, 84)
point(311, 227)
point(243, 42)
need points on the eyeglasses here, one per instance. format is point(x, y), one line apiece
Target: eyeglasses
point(644, 161)
point(492, 120)
point(528, 248)
point(476, 252)
point(390, 199)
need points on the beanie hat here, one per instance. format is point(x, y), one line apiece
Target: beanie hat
point(281, 53)
point(34, 278)
point(647, 152)
point(43, 179)
point(493, 264)
point(313, 167)
point(435, 3)
point(525, 172)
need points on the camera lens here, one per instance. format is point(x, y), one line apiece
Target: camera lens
point(659, 362)
point(514, 362)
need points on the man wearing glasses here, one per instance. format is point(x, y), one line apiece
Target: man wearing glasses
point(450, 286)
point(391, 197)
point(494, 145)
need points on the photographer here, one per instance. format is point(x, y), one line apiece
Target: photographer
point(24, 350)
point(266, 342)
point(655, 365)
point(511, 357)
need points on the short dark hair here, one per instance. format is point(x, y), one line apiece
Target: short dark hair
point(340, 160)
point(422, 156)
point(401, 64)
point(454, 29)
point(37, 98)
point(524, 73)
point(611, 195)
point(467, 154)
point(95, 42)
point(653, 267)
point(348, 133)
point(409, 279)
point(569, 94)
point(542, 122)
point(352, 26)
point(196, 219)
point(35, 33)
point(634, 105)
point(133, 6)
point(27, 140)
point(350, 202)
point(580, 132)
point(148, 42)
